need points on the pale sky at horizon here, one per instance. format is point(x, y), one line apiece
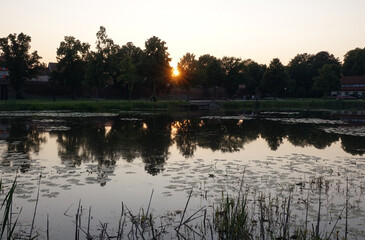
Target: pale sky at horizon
point(260, 30)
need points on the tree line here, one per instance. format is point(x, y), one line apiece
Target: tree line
point(130, 67)
point(130, 140)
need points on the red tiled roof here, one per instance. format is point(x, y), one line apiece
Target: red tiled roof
point(353, 83)
point(353, 80)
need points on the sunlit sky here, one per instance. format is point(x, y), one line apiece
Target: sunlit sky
point(260, 30)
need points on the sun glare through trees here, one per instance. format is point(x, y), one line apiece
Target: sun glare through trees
point(175, 72)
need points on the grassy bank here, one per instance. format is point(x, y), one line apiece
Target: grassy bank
point(296, 104)
point(88, 105)
point(172, 105)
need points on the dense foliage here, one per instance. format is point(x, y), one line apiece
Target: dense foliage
point(142, 73)
point(21, 64)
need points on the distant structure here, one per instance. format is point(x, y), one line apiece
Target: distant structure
point(52, 66)
point(44, 74)
point(4, 81)
point(351, 86)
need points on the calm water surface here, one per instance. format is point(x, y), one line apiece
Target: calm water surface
point(106, 159)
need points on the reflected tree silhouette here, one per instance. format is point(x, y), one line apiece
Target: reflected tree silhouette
point(304, 135)
point(239, 133)
point(273, 132)
point(210, 135)
point(72, 146)
point(155, 143)
point(184, 134)
point(219, 135)
point(105, 141)
point(23, 139)
point(89, 143)
point(124, 140)
point(353, 144)
point(127, 134)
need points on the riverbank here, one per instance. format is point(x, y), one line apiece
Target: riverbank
point(174, 105)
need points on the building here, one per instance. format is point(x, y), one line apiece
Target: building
point(52, 66)
point(351, 86)
point(44, 74)
point(4, 81)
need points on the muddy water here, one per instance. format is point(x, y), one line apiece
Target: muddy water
point(104, 160)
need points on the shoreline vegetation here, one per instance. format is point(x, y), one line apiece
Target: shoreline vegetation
point(245, 215)
point(175, 105)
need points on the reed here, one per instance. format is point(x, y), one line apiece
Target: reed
point(7, 224)
point(243, 216)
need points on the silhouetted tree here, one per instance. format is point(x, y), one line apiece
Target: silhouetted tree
point(187, 68)
point(301, 71)
point(320, 59)
point(210, 72)
point(328, 79)
point(128, 74)
point(253, 74)
point(317, 61)
point(18, 60)
point(130, 67)
point(354, 62)
point(100, 67)
point(71, 57)
point(275, 79)
point(156, 64)
point(233, 74)
point(129, 49)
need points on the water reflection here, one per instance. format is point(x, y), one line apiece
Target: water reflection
point(21, 140)
point(106, 140)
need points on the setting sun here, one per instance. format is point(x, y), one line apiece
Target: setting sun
point(175, 72)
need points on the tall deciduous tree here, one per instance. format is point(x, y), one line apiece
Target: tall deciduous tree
point(156, 64)
point(301, 72)
point(354, 62)
point(275, 79)
point(233, 74)
point(328, 79)
point(19, 61)
point(187, 68)
point(317, 61)
point(130, 67)
point(100, 65)
point(253, 74)
point(128, 74)
point(320, 59)
point(210, 72)
point(71, 57)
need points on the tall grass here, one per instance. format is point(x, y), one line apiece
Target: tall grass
point(246, 216)
point(7, 226)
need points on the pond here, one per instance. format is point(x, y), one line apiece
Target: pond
point(104, 161)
